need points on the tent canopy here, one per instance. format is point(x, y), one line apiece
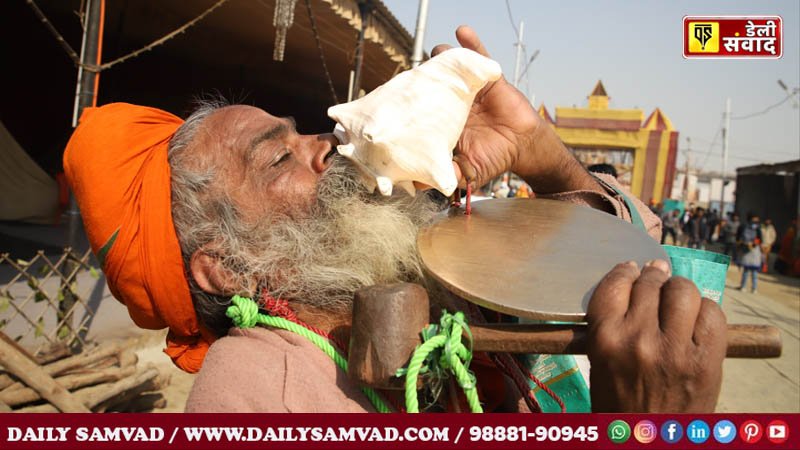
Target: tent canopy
point(228, 53)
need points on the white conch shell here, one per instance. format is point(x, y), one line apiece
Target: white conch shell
point(406, 129)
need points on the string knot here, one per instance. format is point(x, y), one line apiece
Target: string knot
point(277, 307)
point(243, 312)
point(443, 349)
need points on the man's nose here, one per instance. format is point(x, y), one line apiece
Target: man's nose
point(324, 146)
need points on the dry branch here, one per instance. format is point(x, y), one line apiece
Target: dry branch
point(130, 395)
point(15, 397)
point(82, 360)
point(53, 354)
point(95, 395)
point(29, 372)
point(13, 344)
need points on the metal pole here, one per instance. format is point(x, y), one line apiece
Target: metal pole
point(419, 34)
point(85, 96)
point(364, 9)
point(519, 54)
point(725, 137)
point(85, 90)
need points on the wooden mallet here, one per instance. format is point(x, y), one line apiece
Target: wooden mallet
point(387, 321)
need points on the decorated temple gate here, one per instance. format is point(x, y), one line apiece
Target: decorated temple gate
point(644, 152)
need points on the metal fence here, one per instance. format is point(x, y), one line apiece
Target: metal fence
point(41, 304)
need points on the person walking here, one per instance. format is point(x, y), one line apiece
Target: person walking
point(750, 242)
point(672, 224)
point(730, 229)
point(769, 235)
point(698, 229)
point(686, 226)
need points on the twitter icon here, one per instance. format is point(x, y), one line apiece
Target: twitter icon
point(724, 431)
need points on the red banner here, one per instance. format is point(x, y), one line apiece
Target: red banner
point(433, 431)
point(732, 37)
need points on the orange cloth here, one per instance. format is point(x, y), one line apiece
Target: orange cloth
point(116, 164)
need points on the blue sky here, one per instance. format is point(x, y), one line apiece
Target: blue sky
point(635, 48)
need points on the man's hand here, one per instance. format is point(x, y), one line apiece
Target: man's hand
point(654, 344)
point(503, 132)
point(500, 123)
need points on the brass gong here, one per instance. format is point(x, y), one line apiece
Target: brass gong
point(533, 258)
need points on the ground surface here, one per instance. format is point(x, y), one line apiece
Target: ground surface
point(764, 385)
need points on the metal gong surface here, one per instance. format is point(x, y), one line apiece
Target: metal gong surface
point(533, 258)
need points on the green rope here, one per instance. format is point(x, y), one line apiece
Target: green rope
point(442, 349)
point(244, 314)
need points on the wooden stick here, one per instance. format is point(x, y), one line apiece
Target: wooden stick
point(4, 337)
point(94, 395)
point(130, 395)
point(744, 340)
point(53, 354)
point(15, 397)
point(29, 372)
point(83, 359)
point(66, 364)
point(108, 363)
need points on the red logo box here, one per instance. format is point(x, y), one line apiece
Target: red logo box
point(742, 37)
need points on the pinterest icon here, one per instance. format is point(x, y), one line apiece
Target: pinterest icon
point(751, 431)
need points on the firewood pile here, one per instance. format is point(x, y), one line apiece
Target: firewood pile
point(103, 378)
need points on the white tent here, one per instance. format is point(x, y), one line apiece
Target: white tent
point(27, 193)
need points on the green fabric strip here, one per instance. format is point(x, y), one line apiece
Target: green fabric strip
point(101, 255)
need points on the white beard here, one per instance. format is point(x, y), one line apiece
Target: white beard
point(349, 239)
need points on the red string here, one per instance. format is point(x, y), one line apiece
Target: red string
point(280, 308)
point(541, 385)
point(469, 200)
point(503, 362)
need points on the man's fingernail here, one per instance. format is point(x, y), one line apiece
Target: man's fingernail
point(631, 263)
point(648, 263)
point(661, 265)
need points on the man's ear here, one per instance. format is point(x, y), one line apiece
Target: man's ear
point(210, 275)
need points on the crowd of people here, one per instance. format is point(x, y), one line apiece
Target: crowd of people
point(749, 243)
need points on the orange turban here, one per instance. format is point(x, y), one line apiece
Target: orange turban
point(116, 164)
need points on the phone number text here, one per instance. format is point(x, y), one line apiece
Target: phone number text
point(540, 433)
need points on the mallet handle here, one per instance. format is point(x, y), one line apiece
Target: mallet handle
point(744, 340)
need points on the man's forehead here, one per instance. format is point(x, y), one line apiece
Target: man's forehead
point(233, 128)
point(239, 117)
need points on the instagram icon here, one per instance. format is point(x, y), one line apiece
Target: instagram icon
point(645, 431)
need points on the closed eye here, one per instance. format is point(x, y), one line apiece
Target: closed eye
point(285, 156)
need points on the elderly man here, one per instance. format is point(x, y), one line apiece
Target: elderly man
point(185, 215)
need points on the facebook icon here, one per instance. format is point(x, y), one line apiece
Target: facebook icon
point(671, 432)
point(697, 431)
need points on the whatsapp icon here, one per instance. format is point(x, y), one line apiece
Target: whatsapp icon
point(619, 431)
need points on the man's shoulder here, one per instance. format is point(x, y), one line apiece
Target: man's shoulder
point(266, 370)
point(252, 358)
